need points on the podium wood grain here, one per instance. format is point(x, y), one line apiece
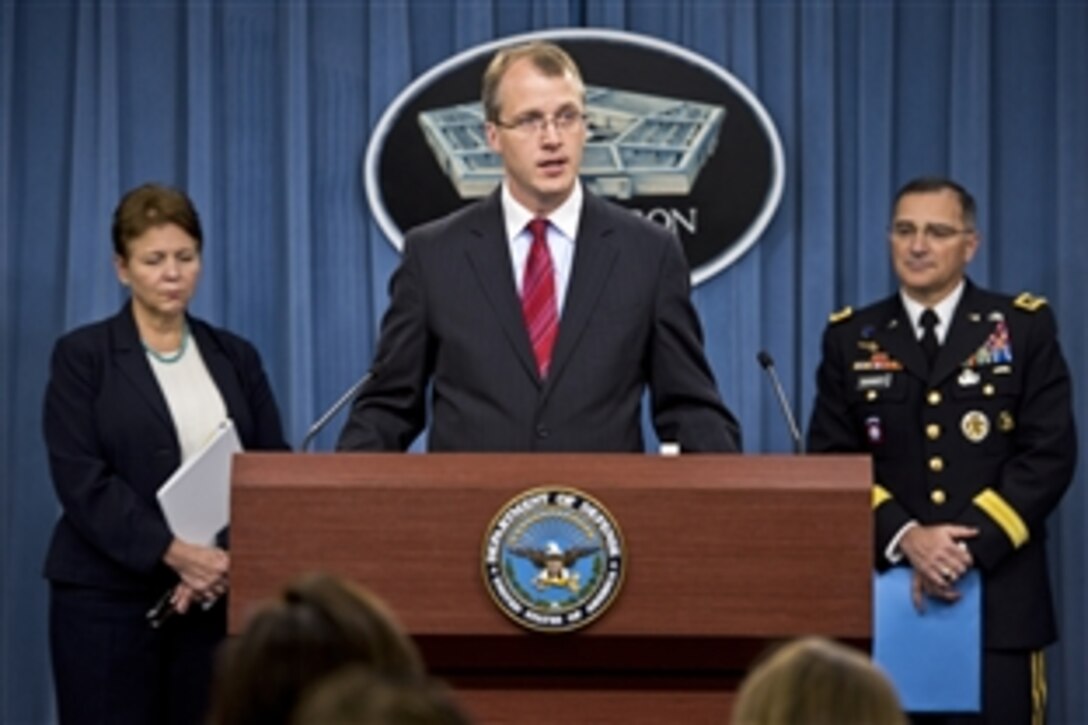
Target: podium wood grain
point(723, 555)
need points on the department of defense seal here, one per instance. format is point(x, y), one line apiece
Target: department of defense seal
point(553, 559)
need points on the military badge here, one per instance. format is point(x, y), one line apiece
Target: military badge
point(1005, 422)
point(997, 350)
point(1029, 302)
point(870, 382)
point(874, 430)
point(553, 559)
point(844, 314)
point(1000, 345)
point(878, 360)
point(968, 378)
point(884, 361)
point(975, 426)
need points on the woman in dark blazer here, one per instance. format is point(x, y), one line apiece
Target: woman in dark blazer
point(129, 398)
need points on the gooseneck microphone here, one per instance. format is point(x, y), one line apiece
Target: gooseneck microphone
point(767, 363)
point(348, 395)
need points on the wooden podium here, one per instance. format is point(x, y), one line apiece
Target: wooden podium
point(724, 554)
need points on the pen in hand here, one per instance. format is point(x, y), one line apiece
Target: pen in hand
point(162, 611)
point(165, 608)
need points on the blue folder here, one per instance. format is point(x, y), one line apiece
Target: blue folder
point(934, 658)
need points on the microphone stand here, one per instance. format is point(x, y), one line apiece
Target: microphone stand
point(343, 400)
point(767, 363)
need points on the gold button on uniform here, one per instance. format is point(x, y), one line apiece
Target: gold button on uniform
point(933, 431)
point(988, 389)
point(870, 395)
point(936, 464)
point(934, 397)
point(937, 496)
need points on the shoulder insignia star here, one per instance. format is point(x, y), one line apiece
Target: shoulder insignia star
point(844, 314)
point(1029, 302)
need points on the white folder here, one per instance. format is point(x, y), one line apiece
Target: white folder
point(196, 498)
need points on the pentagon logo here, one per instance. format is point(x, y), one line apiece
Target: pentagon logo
point(681, 142)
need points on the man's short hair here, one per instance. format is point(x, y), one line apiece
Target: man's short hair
point(548, 58)
point(933, 184)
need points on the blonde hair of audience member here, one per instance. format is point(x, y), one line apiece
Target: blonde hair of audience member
point(816, 681)
point(358, 696)
point(319, 624)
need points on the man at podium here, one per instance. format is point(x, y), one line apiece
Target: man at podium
point(540, 315)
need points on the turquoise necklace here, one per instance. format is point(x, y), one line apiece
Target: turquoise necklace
point(168, 359)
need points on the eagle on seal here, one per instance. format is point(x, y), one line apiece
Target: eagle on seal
point(554, 564)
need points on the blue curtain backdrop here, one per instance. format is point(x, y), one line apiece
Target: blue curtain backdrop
point(262, 111)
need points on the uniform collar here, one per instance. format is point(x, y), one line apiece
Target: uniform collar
point(945, 309)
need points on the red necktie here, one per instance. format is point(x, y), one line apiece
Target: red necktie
point(538, 297)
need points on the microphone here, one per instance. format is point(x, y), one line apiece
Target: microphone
point(335, 408)
point(767, 363)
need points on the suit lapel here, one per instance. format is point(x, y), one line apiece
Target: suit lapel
point(489, 256)
point(131, 360)
point(594, 253)
point(223, 373)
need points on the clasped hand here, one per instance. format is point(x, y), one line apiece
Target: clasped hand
point(203, 571)
point(939, 557)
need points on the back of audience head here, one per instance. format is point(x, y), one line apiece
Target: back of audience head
point(319, 624)
point(818, 682)
point(359, 696)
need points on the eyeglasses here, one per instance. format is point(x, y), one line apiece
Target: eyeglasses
point(537, 123)
point(907, 232)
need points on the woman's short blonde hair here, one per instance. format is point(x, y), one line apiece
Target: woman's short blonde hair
point(815, 681)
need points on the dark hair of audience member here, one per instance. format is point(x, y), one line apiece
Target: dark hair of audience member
point(319, 624)
point(817, 681)
point(358, 696)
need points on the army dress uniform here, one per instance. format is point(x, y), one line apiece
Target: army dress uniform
point(986, 439)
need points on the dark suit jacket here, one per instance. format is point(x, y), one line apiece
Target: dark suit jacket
point(112, 443)
point(985, 440)
point(455, 322)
